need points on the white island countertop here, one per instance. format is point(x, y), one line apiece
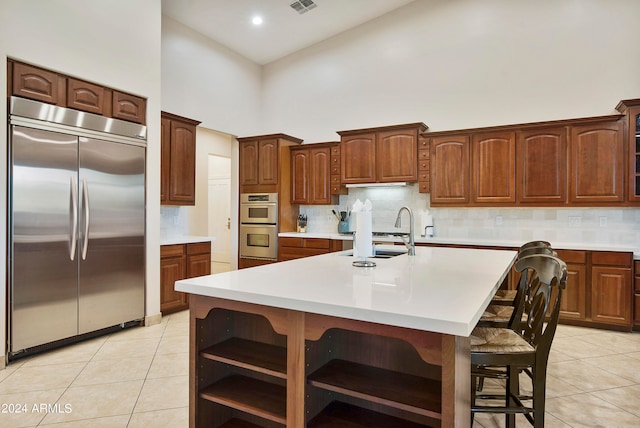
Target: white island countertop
point(444, 290)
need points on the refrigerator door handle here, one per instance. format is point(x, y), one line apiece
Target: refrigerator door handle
point(73, 207)
point(85, 207)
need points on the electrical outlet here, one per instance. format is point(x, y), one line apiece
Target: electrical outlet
point(603, 221)
point(575, 220)
point(498, 220)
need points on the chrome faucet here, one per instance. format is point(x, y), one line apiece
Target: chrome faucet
point(411, 246)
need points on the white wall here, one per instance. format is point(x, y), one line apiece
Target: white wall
point(115, 44)
point(203, 80)
point(456, 64)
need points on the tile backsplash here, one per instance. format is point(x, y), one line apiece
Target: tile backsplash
point(599, 225)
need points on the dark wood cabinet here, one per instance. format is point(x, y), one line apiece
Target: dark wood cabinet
point(636, 295)
point(181, 261)
point(573, 304)
point(599, 289)
point(358, 157)
point(450, 169)
point(37, 84)
point(311, 174)
point(611, 289)
point(596, 162)
point(380, 155)
point(265, 163)
point(424, 166)
point(290, 248)
point(631, 109)
point(86, 96)
point(178, 160)
point(541, 164)
point(50, 87)
point(493, 168)
point(129, 107)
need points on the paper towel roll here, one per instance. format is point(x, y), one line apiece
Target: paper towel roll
point(363, 238)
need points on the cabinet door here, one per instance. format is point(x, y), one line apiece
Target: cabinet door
point(268, 162)
point(129, 107)
point(85, 96)
point(320, 176)
point(165, 158)
point(450, 170)
point(634, 154)
point(541, 158)
point(358, 158)
point(37, 84)
point(182, 178)
point(172, 269)
point(198, 265)
point(596, 163)
point(611, 295)
point(493, 167)
point(249, 163)
point(300, 176)
point(573, 304)
point(396, 153)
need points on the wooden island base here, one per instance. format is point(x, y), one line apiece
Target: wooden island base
point(259, 366)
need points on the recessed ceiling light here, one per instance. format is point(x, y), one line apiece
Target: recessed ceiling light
point(257, 20)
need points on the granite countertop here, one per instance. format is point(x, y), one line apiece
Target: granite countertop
point(428, 291)
point(470, 241)
point(184, 239)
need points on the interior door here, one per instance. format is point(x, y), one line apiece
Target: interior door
point(111, 228)
point(43, 196)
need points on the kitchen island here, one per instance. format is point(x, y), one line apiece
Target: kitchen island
point(313, 341)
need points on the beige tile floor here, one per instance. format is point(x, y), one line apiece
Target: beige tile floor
point(139, 378)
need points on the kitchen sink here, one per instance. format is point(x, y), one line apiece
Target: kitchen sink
point(387, 254)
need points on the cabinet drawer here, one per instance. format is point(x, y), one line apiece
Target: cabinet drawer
point(636, 317)
point(572, 256)
point(423, 176)
point(172, 250)
point(423, 143)
point(611, 258)
point(637, 267)
point(320, 243)
point(335, 160)
point(423, 165)
point(335, 180)
point(199, 248)
point(335, 170)
point(290, 242)
point(423, 155)
point(637, 284)
point(335, 150)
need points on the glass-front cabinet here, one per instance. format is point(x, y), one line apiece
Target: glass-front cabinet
point(632, 109)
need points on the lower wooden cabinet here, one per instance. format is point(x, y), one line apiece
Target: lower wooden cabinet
point(296, 248)
point(599, 291)
point(260, 366)
point(178, 262)
point(636, 296)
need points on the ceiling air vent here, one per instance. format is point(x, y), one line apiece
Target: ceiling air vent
point(303, 6)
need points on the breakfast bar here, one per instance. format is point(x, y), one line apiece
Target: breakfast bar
point(319, 342)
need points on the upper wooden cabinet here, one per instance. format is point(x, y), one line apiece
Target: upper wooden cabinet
point(541, 163)
point(311, 174)
point(493, 168)
point(450, 169)
point(631, 108)
point(380, 155)
point(262, 162)
point(178, 160)
point(577, 162)
point(129, 107)
point(596, 167)
point(39, 84)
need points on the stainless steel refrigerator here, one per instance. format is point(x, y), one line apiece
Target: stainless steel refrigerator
point(76, 224)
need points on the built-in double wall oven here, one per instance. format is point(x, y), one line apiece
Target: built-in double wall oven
point(259, 226)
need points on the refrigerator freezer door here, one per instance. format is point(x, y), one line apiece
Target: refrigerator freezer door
point(111, 286)
point(44, 265)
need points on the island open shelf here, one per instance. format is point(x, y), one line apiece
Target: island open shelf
point(319, 343)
